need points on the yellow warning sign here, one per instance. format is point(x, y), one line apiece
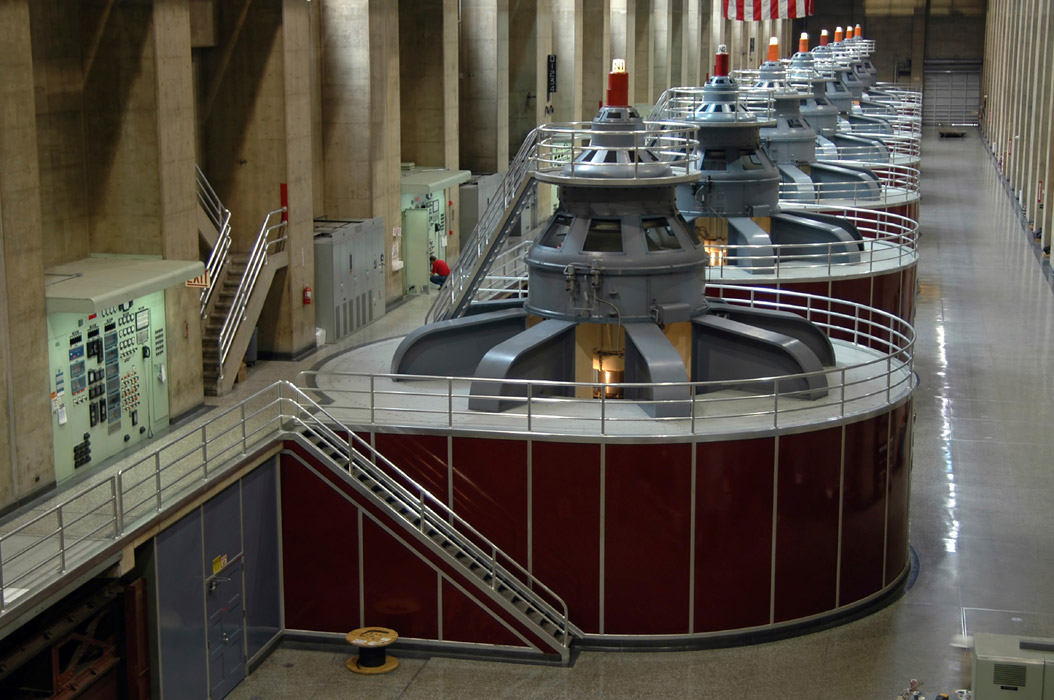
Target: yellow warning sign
point(218, 563)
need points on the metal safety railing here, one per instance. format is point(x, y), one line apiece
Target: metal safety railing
point(882, 374)
point(220, 216)
point(685, 103)
point(901, 149)
point(890, 241)
point(492, 225)
point(38, 550)
point(897, 184)
point(263, 245)
point(551, 151)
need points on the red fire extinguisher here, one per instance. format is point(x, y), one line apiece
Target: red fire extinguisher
point(308, 295)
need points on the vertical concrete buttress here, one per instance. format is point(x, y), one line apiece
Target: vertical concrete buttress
point(25, 446)
point(484, 85)
point(178, 224)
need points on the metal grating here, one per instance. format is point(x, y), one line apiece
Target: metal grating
point(1009, 674)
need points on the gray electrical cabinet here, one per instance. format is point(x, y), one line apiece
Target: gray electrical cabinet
point(349, 275)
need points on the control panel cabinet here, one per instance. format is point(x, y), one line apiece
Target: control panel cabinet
point(349, 275)
point(108, 381)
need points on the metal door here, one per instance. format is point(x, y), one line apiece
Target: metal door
point(223, 592)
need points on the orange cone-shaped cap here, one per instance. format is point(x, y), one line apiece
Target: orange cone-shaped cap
point(803, 42)
point(849, 32)
point(859, 32)
point(823, 37)
point(774, 49)
point(838, 35)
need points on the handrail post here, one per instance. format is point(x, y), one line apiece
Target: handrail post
point(450, 402)
point(120, 501)
point(530, 396)
point(493, 565)
point(373, 399)
point(157, 479)
point(421, 508)
point(205, 455)
point(113, 498)
point(245, 445)
point(776, 403)
point(62, 542)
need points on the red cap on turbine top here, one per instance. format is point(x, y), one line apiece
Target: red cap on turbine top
point(849, 32)
point(721, 61)
point(859, 32)
point(838, 35)
point(618, 84)
point(803, 42)
point(823, 37)
point(774, 49)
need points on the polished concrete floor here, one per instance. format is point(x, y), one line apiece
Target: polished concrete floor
point(981, 491)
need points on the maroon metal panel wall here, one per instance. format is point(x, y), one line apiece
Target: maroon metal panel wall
point(899, 491)
point(908, 295)
point(565, 519)
point(490, 490)
point(320, 563)
point(733, 533)
point(465, 621)
point(855, 290)
point(807, 523)
point(646, 539)
point(863, 508)
point(400, 590)
point(422, 457)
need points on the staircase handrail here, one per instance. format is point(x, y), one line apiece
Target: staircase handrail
point(257, 259)
point(479, 243)
point(220, 216)
point(432, 512)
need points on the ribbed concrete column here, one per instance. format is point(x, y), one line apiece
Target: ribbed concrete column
point(529, 46)
point(596, 54)
point(567, 45)
point(422, 84)
point(1044, 218)
point(639, 52)
point(361, 114)
point(692, 70)
point(484, 89)
point(25, 445)
point(662, 52)
point(918, 42)
point(178, 200)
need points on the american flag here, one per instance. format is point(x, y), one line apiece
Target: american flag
point(749, 10)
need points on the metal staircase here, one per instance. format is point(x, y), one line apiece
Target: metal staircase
point(489, 236)
point(237, 287)
point(540, 612)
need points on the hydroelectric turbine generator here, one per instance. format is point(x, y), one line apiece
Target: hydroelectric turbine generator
point(616, 289)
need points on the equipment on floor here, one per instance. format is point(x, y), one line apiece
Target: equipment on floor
point(1010, 666)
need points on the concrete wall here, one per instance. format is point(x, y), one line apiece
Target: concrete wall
point(25, 444)
point(421, 82)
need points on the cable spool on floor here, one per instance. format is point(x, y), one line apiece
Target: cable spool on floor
point(371, 643)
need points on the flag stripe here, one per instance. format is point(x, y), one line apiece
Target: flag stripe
point(756, 10)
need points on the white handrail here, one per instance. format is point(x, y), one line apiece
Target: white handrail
point(220, 216)
point(257, 259)
point(137, 494)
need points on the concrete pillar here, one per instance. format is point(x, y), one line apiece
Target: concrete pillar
point(639, 50)
point(918, 42)
point(1044, 218)
point(422, 85)
point(484, 89)
point(662, 53)
point(567, 45)
point(692, 70)
point(360, 116)
point(174, 118)
point(25, 446)
point(596, 54)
